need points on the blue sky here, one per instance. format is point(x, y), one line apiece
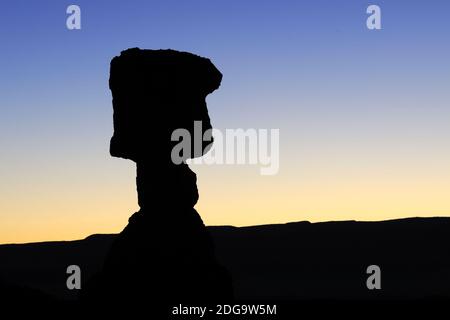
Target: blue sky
point(347, 100)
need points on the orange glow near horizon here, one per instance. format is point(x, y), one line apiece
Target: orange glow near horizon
point(229, 195)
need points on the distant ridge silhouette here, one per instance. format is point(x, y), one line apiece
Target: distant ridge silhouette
point(298, 261)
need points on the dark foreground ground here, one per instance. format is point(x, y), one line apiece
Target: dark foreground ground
point(299, 263)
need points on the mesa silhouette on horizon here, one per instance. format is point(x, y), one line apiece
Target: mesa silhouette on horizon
point(297, 261)
point(165, 254)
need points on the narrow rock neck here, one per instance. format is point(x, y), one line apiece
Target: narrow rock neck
point(166, 185)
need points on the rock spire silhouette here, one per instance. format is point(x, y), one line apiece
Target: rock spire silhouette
point(165, 254)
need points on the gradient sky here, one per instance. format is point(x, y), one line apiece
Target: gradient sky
point(363, 115)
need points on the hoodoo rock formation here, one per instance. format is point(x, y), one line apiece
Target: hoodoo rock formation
point(165, 254)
